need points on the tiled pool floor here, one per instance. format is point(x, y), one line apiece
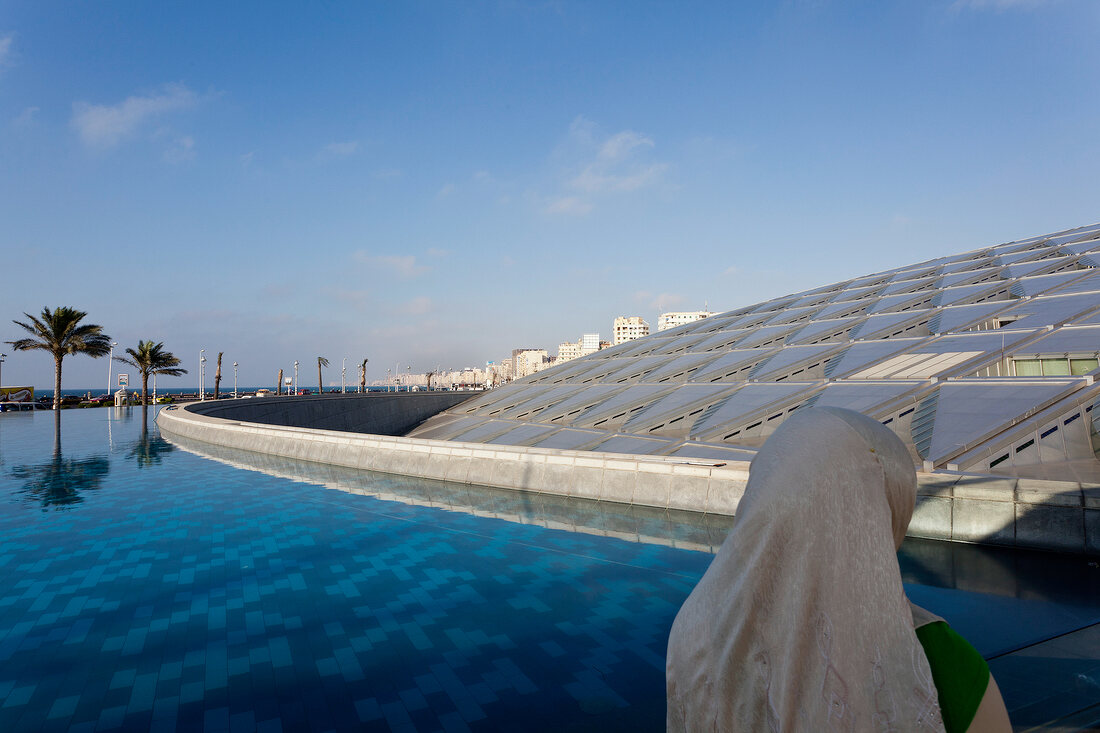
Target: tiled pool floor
point(145, 587)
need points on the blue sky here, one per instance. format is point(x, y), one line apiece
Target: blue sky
point(437, 183)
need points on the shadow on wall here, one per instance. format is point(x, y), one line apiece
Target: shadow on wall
point(373, 413)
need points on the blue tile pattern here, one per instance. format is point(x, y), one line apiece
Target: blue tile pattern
point(171, 592)
point(144, 587)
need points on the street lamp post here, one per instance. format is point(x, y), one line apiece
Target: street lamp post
point(202, 360)
point(110, 364)
point(295, 377)
point(343, 374)
point(234, 380)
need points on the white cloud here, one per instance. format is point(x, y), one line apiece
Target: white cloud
point(181, 150)
point(104, 126)
point(569, 205)
point(417, 306)
point(600, 165)
point(665, 301)
point(437, 252)
point(5, 48)
point(446, 191)
point(26, 117)
point(246, 158)
point(402, 265)
point(339, 150)
point(732, 270)
point(357, 298)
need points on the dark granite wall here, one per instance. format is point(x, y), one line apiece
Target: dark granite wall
point(375, 413)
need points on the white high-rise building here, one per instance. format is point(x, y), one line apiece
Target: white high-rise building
point(628, 328)
point(679, 318)
point(528, 361)
point(590, 343)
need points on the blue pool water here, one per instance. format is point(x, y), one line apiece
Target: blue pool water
point(148, 584)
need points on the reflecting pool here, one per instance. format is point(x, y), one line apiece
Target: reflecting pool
point(163, 584)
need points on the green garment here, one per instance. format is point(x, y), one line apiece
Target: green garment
point(960, 673)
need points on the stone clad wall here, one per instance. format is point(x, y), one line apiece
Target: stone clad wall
point(656, 481)
point(1051, 515)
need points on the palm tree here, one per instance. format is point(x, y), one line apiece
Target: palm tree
point(363, 375)
point(321, 361)
point(60, 333)
point(218, 375)
point(279, 384)
point(149, 359)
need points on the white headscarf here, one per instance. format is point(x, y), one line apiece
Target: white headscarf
point(801, 622)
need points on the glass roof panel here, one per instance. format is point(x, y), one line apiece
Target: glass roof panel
point(966, 412)
point(989, 341)
point(590, 395)
point(1065, 340)
point(445, 429)
point(860, 355)
point(908, 286)
point(841, 310)
point(715, 452)
point(1037, 267)
point(541, 399)
point(791, 357)
point(523, 433)
point(683, 343)
point(675, 404)
point(731, 362)
point(1040, 284)
point(964, 294)
point(1090, 283)
point(485, 430)
point(1077, 248)
point(966, 265)
point(720, 340)
point(956, 317)
point(1022, 256)
point(851, 294)
point(790, 315)
point(883, 324)
point(866, 396)
point(633, 445)
point(633, 398)
point(821, 329)
point(971, 276)
point(570, 439)
point(1050, 310)
point(916, 273)
point(764, 335)
point(681, 368)
point(746, 402)
point(904, 301)
point(636, 368)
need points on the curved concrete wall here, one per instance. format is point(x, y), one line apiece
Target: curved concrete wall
point(1050, 515)
point(378, 413)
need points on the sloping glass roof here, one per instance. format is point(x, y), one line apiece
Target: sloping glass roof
point(926, 339)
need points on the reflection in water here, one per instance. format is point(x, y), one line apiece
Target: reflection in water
point(997, 571)
point(685, 530)
point(60, 481)
point(149, 451)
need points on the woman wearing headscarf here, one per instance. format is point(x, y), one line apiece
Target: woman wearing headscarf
point(801, 622)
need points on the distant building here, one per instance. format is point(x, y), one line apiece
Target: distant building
point(628, 328)
point(679, 318)
point(568, 350)
point(590, 343)
point(527, 361)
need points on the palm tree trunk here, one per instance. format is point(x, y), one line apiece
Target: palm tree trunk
point(218, 375)
point(144, 388)
point(279, 384)
point(320, 384)
point(57, 383)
